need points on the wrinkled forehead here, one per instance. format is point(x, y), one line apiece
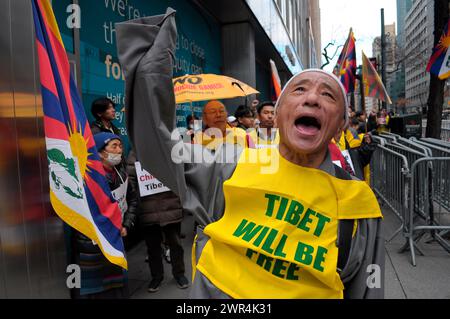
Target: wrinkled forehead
point(316, 78)
point(321, 76)
point(213, 106)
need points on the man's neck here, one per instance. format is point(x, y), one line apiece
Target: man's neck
point(222, 130)
point(266, 132)
point(106, 123)
point(107, 166)
point(305, 160)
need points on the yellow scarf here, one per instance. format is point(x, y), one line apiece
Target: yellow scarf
point(277, 238)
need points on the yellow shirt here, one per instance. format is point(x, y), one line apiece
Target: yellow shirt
point(261, 141)
point(234, 135)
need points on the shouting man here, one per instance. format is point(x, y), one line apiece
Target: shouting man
point(305, 229)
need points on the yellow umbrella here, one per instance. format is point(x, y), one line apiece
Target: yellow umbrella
point(204, 87)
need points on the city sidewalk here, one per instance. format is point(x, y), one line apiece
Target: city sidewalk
point(430, 279)
point(139, 273)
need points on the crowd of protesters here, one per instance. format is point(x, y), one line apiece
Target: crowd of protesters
point(157, 218)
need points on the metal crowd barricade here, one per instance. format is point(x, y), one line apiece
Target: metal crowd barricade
point(379, 140)
point(445, 134)
point(389, 171)
point(437, 142)
point(436, 226)
point(412, 143)
point(436, 150)
point(411, 154)
point(390, 134)
point(413, 178)
point(422, 184)
point(390, 137)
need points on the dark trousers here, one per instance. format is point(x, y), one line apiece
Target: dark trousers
point(153, 238)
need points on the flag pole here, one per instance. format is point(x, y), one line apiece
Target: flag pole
point(383, 53)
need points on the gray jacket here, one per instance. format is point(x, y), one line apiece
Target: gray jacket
point(146, 51)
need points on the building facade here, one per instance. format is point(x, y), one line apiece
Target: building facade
point(403, 7)
point(419, 27)
point(398, 83)
point(233, 37)
point(391, 59)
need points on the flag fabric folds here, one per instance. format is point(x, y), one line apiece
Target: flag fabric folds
point(79, 191)
point(372, 82)
point(345, 68)
point(275, 79)
point(439, 63)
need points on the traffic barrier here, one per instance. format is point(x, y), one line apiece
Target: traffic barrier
point(390, 137)
point(437, 142)
point(435, 202)
point(445, 134)
point(412, 143)
point(412, 178)
point(389, 171)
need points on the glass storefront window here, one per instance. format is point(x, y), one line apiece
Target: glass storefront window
point(267, 13)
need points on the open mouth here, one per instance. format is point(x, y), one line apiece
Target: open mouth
point(308, 125)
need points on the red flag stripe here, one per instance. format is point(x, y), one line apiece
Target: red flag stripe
point(45, 72)
point(55, 129)
point(104, 202)
point(62, 66)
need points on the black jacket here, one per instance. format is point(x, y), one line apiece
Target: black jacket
point(159, 209)
point(97, 127)
point(361, 156)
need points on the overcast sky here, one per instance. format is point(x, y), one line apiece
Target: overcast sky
point(362, 15)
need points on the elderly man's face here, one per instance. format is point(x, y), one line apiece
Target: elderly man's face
point(215, 116)
point(310, 113)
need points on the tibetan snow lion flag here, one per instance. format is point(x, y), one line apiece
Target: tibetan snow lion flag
point(79, 192)
point(345, 68)
point(439, 63)
point(373, 84)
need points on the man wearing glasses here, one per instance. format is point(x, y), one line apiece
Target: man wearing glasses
point(217, 131)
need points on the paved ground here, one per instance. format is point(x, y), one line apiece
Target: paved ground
point(139, 274)
point(430, 279)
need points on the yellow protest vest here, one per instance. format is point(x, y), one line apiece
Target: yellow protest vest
point(352, 141)
point(233, 136)
point(263, 143)
point(277, 237)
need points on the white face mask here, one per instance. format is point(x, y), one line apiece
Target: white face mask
point(197, 125)
point(113, 159)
